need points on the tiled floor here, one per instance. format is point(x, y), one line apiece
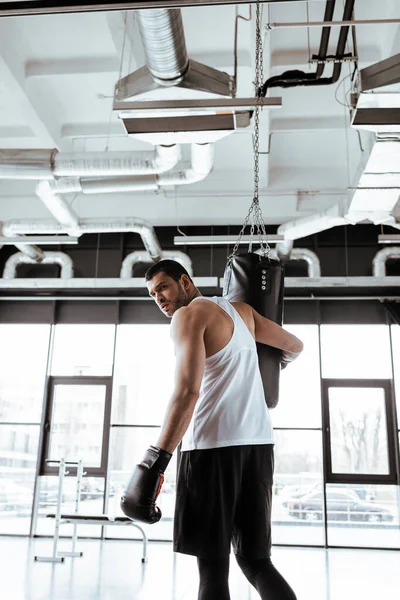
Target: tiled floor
point(112, 570)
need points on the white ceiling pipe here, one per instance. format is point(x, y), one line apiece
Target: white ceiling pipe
point(135, 258)
point(33, 252)
point(104, 164)
point(381, 258)
point(133, 225)
point(293, 230)
point(202, 161)
point(49, 258)
point(47, 164)
point(312, 260)
point(58, 207)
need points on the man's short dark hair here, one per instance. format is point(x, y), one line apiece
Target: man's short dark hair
point(172, 268)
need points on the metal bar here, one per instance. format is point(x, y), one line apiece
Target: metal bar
point(148, 299)
point(40, 7)
point(383, 73)
point(306, 24)
point(221, 240)
point(389, 239)
point(200, 104)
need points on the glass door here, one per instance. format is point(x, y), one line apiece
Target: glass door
point(78, 423)
point(360, 507)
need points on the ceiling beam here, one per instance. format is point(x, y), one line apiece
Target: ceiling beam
point(37, 7)
point(38, 112)
point(76, 66)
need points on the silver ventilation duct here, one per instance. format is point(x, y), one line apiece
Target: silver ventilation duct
point(133, 225)
point(47, 164)
point(303, 254)
point(167, 61)
point(381, 258)
point(201, 164)
point(136, 258)
point(49, 258)
point(164, 44)
point(312, 260)
point(33, 252)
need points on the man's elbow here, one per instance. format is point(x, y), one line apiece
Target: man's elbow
point(296, 346)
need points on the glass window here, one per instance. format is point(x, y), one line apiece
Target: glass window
point(143, 375)
point(356, 352)
point(77, 423)
point(298, 474)
point(395, 330)
point(128, 445)
point(358, 430)
point(83, 350)
point(300, 384)
point(365, 515)
point(18, 458)
point(23, 359)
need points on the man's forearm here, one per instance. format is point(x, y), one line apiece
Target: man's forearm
point(176, 421)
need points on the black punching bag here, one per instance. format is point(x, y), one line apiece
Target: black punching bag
point(259, 281)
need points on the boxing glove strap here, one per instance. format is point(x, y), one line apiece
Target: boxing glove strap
point(156, 458)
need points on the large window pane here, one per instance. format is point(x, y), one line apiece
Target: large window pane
point(356, 352)
point(128, 445)
point(298, 471)
point(358, 430)
point(77, 423)
point(144, 374)
point(18, 457)
point(395, 329)
point(363, 516)
point(83, 350)
point(300, 385)
point(23, 359)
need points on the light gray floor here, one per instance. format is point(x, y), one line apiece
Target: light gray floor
point(112, 570)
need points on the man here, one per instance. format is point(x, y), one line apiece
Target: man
point(218, 410)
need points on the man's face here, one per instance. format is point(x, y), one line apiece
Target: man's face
point(168, 294)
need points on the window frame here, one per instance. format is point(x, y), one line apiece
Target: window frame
point(393, 476)
point(45, 468)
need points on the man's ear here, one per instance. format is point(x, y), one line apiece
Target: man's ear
point(185, 282)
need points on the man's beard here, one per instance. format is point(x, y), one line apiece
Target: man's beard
point(180, 300)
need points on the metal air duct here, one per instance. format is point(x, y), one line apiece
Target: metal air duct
point(312, 260)
point(49, 258)
point(133, 225)
point(380, 259)
point(138, 257)
point(47, 164)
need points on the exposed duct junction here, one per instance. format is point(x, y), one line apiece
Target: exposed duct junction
point(48, 258)
point(380, 260)
point(133, 225)
point(138, 257)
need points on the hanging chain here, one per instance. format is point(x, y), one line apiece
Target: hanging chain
point(254, 216)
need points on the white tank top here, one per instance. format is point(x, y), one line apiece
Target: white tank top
point(231, 409)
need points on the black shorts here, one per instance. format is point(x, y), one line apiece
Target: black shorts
point(224, 496)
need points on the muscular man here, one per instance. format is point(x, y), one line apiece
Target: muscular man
point(218, 410)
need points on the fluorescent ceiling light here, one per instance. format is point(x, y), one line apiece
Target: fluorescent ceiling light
point(389, 239)
point(51, 240)
point(210, 240)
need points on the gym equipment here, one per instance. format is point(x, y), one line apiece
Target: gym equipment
point(253, 278)
point(76, 519)
point(139, 499)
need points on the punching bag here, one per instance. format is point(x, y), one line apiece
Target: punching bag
point(259, 281)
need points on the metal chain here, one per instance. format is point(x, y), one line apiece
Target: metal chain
point(255, 213)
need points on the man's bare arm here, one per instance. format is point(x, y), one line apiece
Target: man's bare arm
point(268, 332)
point(187, 332)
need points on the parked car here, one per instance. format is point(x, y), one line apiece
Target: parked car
point(342, 505)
